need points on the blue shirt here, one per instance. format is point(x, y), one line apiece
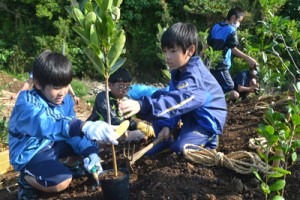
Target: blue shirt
point(36, 123)
point(223, 37)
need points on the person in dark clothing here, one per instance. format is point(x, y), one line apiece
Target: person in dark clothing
point(119, 84)
point(246, 83)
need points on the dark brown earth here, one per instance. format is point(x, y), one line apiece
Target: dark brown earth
point(173, 177)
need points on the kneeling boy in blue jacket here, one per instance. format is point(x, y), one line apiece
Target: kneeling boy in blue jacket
point(195, 98)
point(43, 128)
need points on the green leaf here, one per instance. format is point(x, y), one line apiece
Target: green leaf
point(88, 6)
point(263, 2)
point(94, 36)
point(278, 197)
point(278, 185)
point(102, 31)
point(99, 3)
point(275, 175)
point(265, 58)
point(97, 50)
point(116, 50)
point(271, 139)
point(294, 156)
point(78, 16)
point(80, 31)
point(117, 65)
point(117, 3)
point(283, 171)
point(90, 19)
point(95, 59)
point(110, 25)
point(265, 188)
point(69, 9)
point(166, 73)
point(257, 175)
point(105, 6)
point(296, 144)
point(296, 119)
point(116, 12)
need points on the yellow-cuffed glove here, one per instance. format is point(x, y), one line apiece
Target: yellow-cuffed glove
point(147, 129)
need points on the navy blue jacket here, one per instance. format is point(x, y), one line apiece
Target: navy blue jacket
point(194, 96)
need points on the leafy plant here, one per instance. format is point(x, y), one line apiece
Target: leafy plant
point(281, 132)
point(280, 39)
point(98, 26)
point(277, 42)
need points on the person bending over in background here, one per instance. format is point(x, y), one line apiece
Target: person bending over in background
point(119, 83)
point(246, 83)
point(43, 129)
point(194, 96)
point(223, 37)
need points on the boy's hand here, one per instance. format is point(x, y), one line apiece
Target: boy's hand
point(76, 99)
point(129, 107)
point(93, 160)
point(100, 131)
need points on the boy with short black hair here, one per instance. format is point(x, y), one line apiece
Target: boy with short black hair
point(195, 98)
point(119, 84)
point(43, 128)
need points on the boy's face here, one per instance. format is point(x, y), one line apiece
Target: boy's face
point(236, 21)
point(119, 89)
point(54, 94)
point(175, 58)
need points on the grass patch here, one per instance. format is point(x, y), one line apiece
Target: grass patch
point(80, 88)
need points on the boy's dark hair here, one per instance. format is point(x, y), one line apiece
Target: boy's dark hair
point(121, 75)
point(180, 34)
point(51, 68)
point(237, 12)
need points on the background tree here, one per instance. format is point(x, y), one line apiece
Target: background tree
point(30, 26)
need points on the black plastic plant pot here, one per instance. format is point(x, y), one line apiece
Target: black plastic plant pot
point(115, 188)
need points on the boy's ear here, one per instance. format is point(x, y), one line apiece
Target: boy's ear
point(37, 85)
point(191, 50)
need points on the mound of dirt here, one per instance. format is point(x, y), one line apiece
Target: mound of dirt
point(168, 176)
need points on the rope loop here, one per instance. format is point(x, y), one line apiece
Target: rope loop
point(219, 159)
point(242, 162)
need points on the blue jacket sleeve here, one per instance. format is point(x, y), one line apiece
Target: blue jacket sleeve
point(184, 96)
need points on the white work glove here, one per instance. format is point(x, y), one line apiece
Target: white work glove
point(100, 131)
point(135, 136)
point(92, 163)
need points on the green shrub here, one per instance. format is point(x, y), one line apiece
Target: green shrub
point(79, 88)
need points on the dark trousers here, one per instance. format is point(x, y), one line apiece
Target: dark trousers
point(224, 79)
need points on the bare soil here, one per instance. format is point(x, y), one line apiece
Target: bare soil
point(168, 176)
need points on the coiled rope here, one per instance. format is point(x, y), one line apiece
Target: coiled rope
point(242, 162)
